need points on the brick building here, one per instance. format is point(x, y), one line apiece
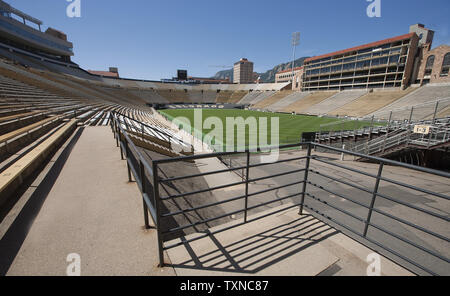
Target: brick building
point(286, 75)
point(243, 72)
point(434, 66)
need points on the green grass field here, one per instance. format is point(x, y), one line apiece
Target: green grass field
point(291, 126)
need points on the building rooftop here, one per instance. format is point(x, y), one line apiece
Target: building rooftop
point(243, 60)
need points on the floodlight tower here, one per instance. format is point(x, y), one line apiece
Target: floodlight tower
point(295, 42)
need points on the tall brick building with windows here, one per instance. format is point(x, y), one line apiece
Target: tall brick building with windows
point(435, 65)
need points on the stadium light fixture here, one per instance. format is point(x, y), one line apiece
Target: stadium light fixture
point(295, 43)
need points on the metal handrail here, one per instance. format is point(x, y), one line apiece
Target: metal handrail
point(145, 173)
point(439, 133)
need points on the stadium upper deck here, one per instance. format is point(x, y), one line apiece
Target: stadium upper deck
point(386, 63)
point(21, 35)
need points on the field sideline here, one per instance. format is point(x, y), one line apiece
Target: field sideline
point(291, 126)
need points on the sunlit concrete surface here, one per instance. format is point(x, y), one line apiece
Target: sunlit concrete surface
point(93, 211)
point(285, 244)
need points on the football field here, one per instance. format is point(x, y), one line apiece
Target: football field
point(290, 129)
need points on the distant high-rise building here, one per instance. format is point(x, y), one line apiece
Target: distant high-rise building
point(243, 72)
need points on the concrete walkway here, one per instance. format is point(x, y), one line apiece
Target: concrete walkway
point(93, 211)
point(285, 244)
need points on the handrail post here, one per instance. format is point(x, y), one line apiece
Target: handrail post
point(158, 213)
point(433, 123)
point(246, 186)
point(120, 146)
point(127, 151)
point(143, 189)
point(411, 115)
point(371, 127)
point(305, 178)
point(374, 196)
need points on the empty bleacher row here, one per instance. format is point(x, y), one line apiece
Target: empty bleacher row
point(361, 103)
point(35, 119)
point(255, 97)
point(272, 99)
point(147, 132)
point(304, 103)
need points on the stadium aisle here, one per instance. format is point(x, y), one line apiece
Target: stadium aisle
point(92, 211)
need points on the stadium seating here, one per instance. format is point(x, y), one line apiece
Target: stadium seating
point(152, 134)
point(370, 102)
point(423, 99)
point(250, 97)
point(237, 96)
point(13, 176)
point(445, 112)
point(334, 102)
point(149, 95)
point(261, 97)
point(272, 99)
point(174, 96)
point(305, 103)
point(288, 100)
point(224, 96)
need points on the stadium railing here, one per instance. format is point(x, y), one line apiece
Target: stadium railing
point(149, 182)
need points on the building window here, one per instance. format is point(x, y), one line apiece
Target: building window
point(429, 65)
point(445, 65)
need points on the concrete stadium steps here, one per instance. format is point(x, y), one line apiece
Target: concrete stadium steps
point(15, 175)
point(223, 96)
point(230, 97)
point(273, 100)
point(306, 102)
point(13, 142)
point(237, 97)
point(126, 96)
point(17, 116)
point(174, 96)
point(37, 63)
point(72, 86)
point(443, 113)
point(288, 100)
point(153, 146)
point(152, 134)
point(249, 97)
point(16, 134)
point(149, 96)
point(29, 78)
point(370, 102)
point(195, 96)
point(428, 94)
point(202, 96)
point(420, 112)
point(262, 96)
point(20, 121)
point(334, 102)
point(22, 59)
point(10, 158)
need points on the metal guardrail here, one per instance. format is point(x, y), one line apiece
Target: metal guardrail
point(149, 181)
point(439, 133)
point(158, 132)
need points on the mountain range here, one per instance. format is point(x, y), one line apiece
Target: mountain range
point(266, 77)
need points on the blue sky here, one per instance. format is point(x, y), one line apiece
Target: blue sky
point(151, 39)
